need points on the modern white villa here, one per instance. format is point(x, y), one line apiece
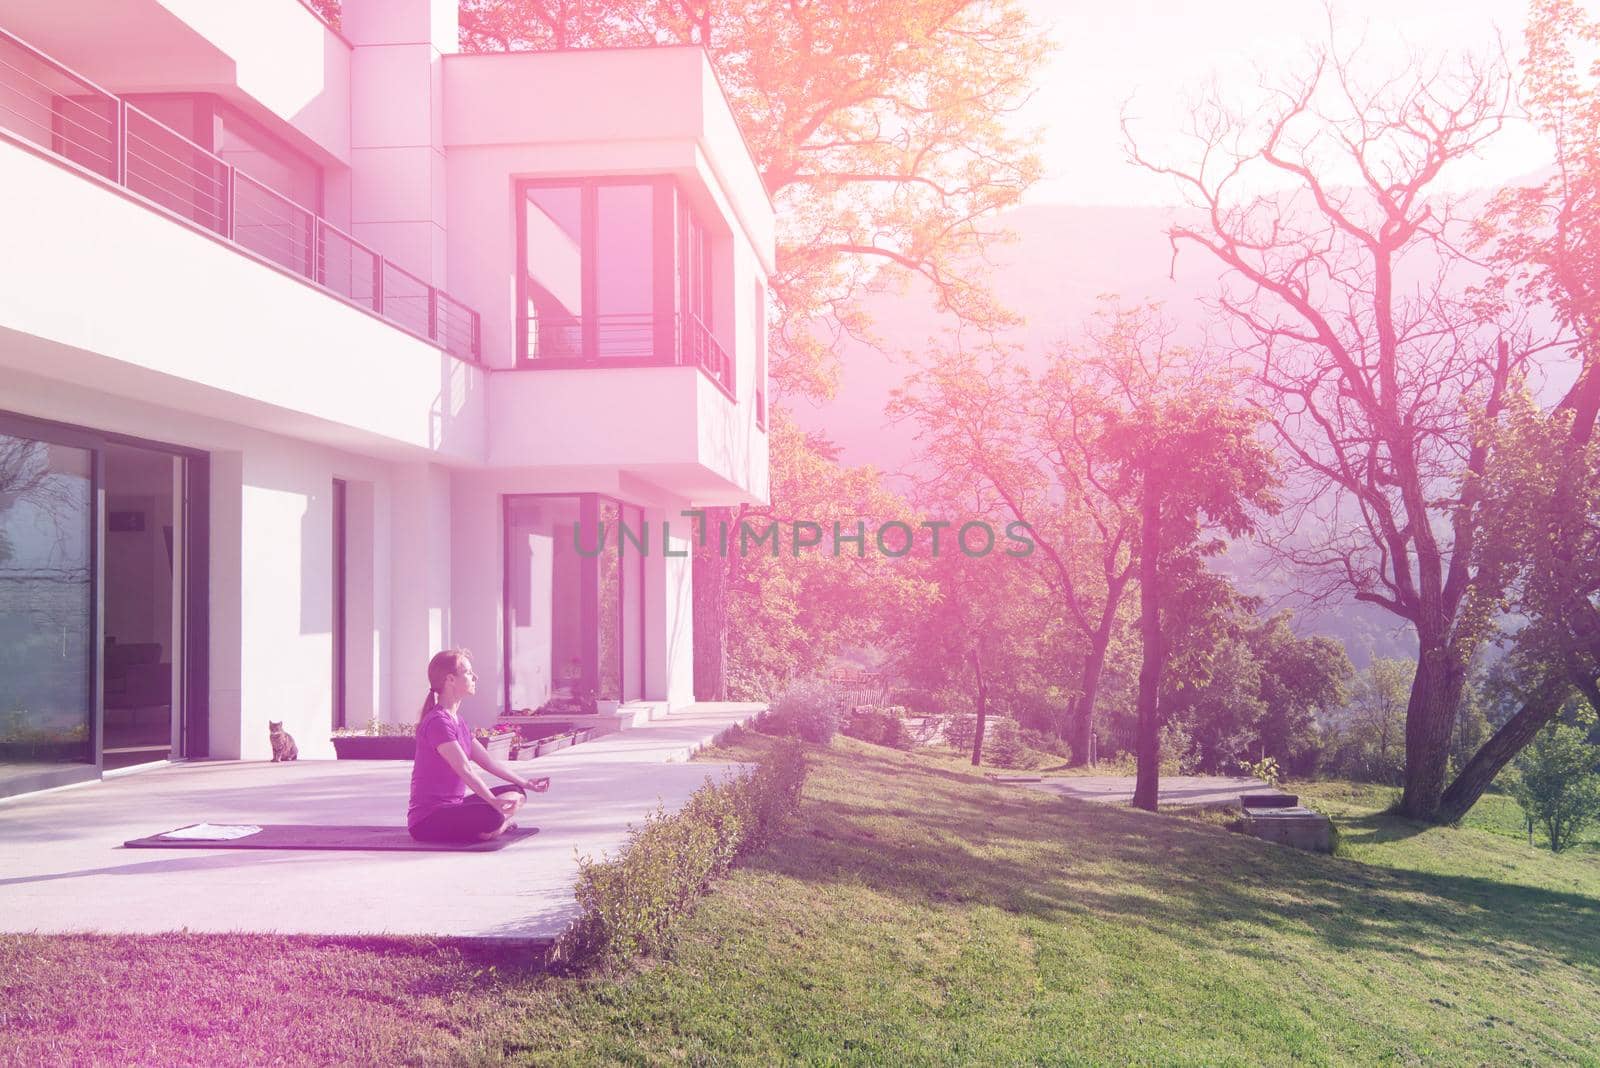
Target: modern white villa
point(317, 345)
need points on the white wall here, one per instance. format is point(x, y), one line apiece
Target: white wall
point(131, 300)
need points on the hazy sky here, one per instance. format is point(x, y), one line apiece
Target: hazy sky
point(1160, 52)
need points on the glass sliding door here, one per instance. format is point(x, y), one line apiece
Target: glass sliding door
point(47, 613)
point(143, 598)
point(573, 601)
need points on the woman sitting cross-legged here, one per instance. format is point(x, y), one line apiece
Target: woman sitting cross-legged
point(442, 774)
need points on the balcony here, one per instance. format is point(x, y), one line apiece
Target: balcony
point(47, 106)
point(569, 341)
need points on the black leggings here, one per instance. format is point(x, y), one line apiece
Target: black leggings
point(467, 820)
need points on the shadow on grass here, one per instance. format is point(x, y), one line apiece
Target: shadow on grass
point(1058, 858)
point(1380, 827)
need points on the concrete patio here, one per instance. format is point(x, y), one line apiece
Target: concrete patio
point(63, 867)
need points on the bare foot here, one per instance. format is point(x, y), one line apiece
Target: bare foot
point(505, 825)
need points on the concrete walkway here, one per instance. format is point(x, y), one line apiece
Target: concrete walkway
point(1175, 789)
point(63, 867)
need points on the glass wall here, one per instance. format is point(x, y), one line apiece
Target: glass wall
point(624, 280)
point(574, 601)
point(554, 282)
point(46, 610)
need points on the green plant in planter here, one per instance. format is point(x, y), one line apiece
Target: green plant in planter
point(375, 729)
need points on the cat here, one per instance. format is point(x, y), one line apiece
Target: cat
point(283, 747)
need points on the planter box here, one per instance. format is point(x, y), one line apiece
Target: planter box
point(376, 747)
point(553, 743)
point(499, 747)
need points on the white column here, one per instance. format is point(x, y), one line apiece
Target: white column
point(669, 610)
point(419, 584)
point(397, 128)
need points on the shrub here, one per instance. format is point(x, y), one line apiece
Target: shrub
point(1046, 742)
point(1266, 769)
point(1556, 784)
point(960, 731)
point(632, 904)
point(1003, 745)
point(808, 709)
point(878, 725)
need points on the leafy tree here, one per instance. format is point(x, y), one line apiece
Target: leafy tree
point(1300, 678)
point(1546, 240)
point(1188, 454)
point(797, 602)
point(1343, 283)
point(979, 634)
point(1557, 785)
point(1030, 440)
point(1371, 728)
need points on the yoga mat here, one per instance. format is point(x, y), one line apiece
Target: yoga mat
point(315, 836)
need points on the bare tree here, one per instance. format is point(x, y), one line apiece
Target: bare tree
point(1345, 282)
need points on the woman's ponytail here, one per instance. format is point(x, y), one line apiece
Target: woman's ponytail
point(440, 667)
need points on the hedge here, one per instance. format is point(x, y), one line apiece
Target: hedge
point(632, 904)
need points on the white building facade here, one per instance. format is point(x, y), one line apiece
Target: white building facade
point(322, 350)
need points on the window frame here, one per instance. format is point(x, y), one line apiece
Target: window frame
point(664, 207)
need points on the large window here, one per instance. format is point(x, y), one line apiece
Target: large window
point(47, 614)
point(616, 271)
point(574, 600)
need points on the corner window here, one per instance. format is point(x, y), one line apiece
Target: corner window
point(616, 272)
point(592, 290)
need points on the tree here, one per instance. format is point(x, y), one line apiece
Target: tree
point(1188, 454)
point(980, 632)
point(1344, 282)
point(797, 600)
point(1371, 730)
point(1556, 783)
point(1546, 240)
point(1299, 678)
point(984, 419)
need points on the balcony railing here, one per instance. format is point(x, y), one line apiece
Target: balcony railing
point(53, 108)
point(557, 341)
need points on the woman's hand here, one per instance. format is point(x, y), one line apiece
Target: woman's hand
point(507, 805)
point(537, 786)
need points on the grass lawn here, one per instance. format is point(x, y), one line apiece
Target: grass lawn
point(920, 915)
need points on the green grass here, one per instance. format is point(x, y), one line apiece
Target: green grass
point(919, 915)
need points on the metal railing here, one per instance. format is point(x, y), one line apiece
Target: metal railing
point(627, 340)
point(701, 348)
point(53, 108)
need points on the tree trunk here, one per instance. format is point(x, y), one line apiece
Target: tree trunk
point(1475, 777)
point(983, 709)
point(1430, 720)
point(710, 580)
point(1147, 787)
point(1094, 664)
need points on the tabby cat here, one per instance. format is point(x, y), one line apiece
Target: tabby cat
point(283, 747)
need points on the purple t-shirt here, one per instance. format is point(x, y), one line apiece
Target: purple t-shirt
point(434, 783)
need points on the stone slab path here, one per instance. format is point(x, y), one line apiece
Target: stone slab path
point(1175, 789)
